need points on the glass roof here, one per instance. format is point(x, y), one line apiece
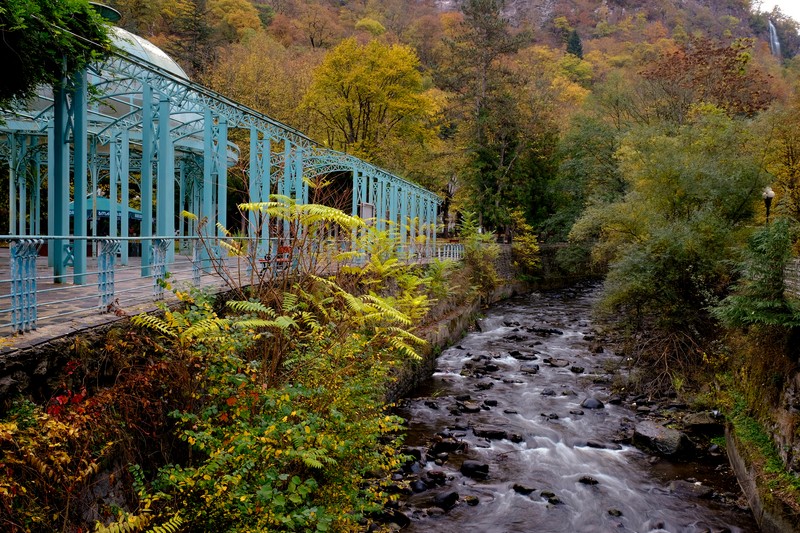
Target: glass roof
point(144, 49)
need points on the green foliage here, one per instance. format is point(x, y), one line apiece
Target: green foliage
point(524, 246)
point(480, 255)
point(758, 298)
point(574, 45)
point(669, 240)
point(761, 449)
point(45, 42)
point(306, 455)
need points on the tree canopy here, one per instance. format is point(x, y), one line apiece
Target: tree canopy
point(44, 42)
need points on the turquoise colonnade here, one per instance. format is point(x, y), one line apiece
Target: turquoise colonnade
point(136, 130)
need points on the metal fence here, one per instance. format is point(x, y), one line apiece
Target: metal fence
point(113, 283)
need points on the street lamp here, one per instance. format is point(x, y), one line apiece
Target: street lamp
point(768, 195)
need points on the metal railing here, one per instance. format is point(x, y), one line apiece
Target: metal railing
point(31, 296)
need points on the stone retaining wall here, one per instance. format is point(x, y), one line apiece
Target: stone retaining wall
point(772, 515)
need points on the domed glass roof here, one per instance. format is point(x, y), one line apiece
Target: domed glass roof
point(144, 49)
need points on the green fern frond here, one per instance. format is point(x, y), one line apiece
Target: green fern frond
point(173, 525)
point(127, 524)
point(250, 307)
point(205, 328)
point(223, 230)
point(233, 250)
point(153, 323)
point(386, 309)
point(407, 336)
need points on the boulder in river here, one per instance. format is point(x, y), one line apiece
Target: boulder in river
point(554, 361)
point(445, 500)
point(660, 439)
point(469, 407)
point(522, 489)
point(687, 488)
point(475, 469)
point(529, 369)
point(592, 403)
point(491, 433)
point(448, 445)
point(472, 501)
point(577, 369)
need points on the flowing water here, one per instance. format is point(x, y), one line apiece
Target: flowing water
point(554, 465)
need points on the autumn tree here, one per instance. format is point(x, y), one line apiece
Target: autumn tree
point(708, 72)
point(574, 45)
point(478, 71)
point(363, 96)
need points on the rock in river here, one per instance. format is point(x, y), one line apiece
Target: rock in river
point(475, 469)
point(592, 403)
point(660, 439)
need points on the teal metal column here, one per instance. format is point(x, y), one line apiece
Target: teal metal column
point(80, 134)
point(146, 185)
point(36, 193)
point(300, 192)
point(206, 206)
point(286, 187)
point(59, 208)
point(393, 197)
point(182, 197)
point(259, 182)
point(51, 195)
point(403, 215)
point(165, 180)
point(120, 157)
point(12, 183)
point(222, 175)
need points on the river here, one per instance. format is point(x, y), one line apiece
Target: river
point(516, 396)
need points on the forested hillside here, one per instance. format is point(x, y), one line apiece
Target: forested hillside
point(479, 100)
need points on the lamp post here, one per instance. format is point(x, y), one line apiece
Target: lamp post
point(768, 195)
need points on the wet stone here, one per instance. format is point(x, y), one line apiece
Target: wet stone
point(475, 469)
point(418, 486)
point(484, 385)
point(529, 369)
point(472, 501)
point(516, 438)
point(577, 369)
point(557, 363)
point(433, 405)
point(445, 500)
point(522, 489)
point(510, 411)
point(490, 433)
point(615, 512)
point(588, 480)
point(490, 403)
point(576, 412)
point(548, 392)
point(463, 397)
point(469, 407)
point(592, 403)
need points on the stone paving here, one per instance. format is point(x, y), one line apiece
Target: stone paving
point(67, 308)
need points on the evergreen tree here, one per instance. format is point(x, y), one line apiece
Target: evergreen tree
point(574, 45)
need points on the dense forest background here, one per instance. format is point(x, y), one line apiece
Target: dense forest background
point(498, 106)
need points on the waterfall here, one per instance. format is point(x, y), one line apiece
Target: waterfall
point(774, 43)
